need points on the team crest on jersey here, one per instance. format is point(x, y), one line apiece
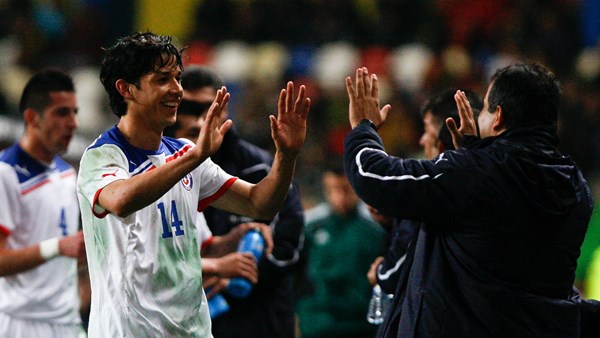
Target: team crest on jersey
point(187, 182)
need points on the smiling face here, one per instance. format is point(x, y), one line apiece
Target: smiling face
point(155, 100)
point(52, 129)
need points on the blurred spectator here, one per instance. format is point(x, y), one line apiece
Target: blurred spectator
point(341, 241)
point(458, 43)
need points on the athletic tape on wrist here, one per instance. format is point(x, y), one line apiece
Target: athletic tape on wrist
point(49, 248)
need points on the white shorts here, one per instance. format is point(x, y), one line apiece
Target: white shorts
point(27, 328)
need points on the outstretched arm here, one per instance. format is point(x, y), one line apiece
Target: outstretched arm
point(288, 130)
point(122, 197)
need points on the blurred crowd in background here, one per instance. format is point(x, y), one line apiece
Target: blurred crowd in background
point(415, 47)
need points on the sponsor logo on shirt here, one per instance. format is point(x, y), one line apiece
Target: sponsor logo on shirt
point(110, 174)
point(187, 182)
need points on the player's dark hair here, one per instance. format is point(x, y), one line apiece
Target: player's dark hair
point(132, 57)
point(443, 105)
point(197, 77)
point(36, 93)
point(529, 95)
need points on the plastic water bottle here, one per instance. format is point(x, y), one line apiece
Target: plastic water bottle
point(375, 312)
point(217, 305)
point(254, 243)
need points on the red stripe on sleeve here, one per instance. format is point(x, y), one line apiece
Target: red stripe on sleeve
point(207, 242)
point(94, 202)
point(4, 230)
point(203, 203)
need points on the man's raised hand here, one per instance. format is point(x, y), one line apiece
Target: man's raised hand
point(364, 99)
point(288, 129)
point(468, 126)
point(212, 133)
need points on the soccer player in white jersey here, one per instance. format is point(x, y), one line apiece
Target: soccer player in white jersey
point(39, 216)
point(139, 193)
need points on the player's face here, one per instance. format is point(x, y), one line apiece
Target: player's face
point(56, 126)
point(429, 139)
point(189, 127)
point(158, 96)
point(205, 96)
point(339, 193)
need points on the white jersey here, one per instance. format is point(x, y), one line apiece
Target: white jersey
point(38, 202)
point(145, 270)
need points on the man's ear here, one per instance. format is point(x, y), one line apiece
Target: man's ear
point(499, 124)
point(124, 88)
point(31, 116)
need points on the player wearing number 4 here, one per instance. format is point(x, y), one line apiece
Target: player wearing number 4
point(39, 216)
point(139, 193)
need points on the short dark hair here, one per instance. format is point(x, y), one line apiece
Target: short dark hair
point(529, 95)
point(196, 77)
point(443, 105)
point(36, 93)
point(132, 57)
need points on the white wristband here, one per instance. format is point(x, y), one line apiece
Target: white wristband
point(49, 248)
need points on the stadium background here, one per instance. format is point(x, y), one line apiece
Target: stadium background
point(415, 47)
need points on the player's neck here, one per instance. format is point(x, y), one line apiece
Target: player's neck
point(139, 133)
point(36, 149)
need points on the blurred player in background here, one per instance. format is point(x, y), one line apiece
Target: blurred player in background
point(39, 216)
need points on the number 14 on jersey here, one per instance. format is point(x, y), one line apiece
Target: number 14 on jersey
point(175, 222)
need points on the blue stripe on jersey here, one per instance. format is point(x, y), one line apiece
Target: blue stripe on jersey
point(138, 158)
point(29, 169)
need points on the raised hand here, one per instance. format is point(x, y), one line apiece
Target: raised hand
point(468, 126)
point(288, 129)
point(364, 99)
point(211, 134)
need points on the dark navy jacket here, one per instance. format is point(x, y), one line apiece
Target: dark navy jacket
point(269, 309)
point(504, 218)
point(400, 238)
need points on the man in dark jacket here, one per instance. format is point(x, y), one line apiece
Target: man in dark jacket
point(435, 139)
point(269, 309)
point(497, 258)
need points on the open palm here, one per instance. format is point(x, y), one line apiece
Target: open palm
point(211, 134)
point(288, 129)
